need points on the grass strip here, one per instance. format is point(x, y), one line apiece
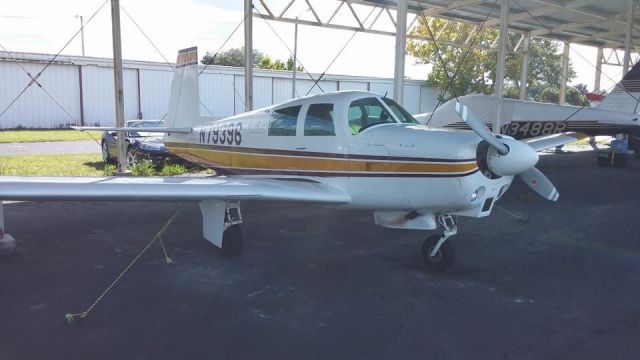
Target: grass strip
point(21, 136)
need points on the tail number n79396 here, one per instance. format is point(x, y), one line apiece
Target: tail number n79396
point(521, 129)
point(224, 134)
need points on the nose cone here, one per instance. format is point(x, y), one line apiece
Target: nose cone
point(520, 158)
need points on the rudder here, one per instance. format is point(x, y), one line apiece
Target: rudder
point(184, 107)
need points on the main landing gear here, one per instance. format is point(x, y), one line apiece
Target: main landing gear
point(437, 252)
point(232, 235)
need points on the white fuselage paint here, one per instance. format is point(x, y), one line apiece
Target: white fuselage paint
point(440, 191)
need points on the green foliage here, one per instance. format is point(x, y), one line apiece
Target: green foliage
point(32, 135)
point(582, 88)
point(511, 92)
point(231, 57)
point(173, 170)
point(576, 97)
point(550, 95)
point(477, 73)
point(143, 167)
point(290, 65)
point(52, 165)
point(109, 169)
point(235, 57)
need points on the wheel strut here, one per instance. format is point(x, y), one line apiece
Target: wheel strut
point(448, 223)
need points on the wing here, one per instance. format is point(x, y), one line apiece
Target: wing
point(545, 142)
point(214, 194)
point(168, 189)
point(158, 129)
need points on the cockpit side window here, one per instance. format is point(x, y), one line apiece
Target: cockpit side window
point(319, 120)
point(367, 112)
point(402, 114)
point(283, 121)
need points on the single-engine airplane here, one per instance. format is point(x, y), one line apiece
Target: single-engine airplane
point(617, 114)
point(348, 149)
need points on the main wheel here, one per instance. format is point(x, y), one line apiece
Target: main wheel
point(231, 242)
point(443, 259)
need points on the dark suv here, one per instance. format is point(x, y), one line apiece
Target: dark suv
point(140, 144)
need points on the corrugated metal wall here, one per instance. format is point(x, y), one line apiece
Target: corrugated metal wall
point(35, 108)
point(147, 87)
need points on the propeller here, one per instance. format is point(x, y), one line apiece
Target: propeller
point(509, 157)
point(479, 128)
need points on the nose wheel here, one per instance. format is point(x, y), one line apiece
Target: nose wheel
point(442, 258)
point(437, 252)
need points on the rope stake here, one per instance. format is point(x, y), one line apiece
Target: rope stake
point(71, 317)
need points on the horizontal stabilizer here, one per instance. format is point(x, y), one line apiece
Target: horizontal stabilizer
point(550, 141)
point(160, 129)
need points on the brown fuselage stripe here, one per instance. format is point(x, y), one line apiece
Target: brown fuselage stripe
point(312, 154)
point(335, 167)
point(238, 171)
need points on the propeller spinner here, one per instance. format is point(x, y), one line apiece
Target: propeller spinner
point(508, 157)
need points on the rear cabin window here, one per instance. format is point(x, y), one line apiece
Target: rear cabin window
point(283, 122)
point(319, 120)
point(367, 112)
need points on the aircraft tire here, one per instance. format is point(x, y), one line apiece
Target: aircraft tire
point(443, 259)
point(231, 242)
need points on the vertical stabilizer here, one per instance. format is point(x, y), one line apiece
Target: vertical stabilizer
point(626, 94)
point(184, 104)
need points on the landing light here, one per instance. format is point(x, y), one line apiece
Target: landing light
point(476, 194)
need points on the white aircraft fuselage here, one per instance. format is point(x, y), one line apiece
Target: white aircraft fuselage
point(390, 166)
point(349, 149)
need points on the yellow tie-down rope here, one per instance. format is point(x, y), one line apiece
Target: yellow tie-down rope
point(81, 315)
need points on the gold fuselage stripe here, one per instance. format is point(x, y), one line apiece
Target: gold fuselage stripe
point(238, 159)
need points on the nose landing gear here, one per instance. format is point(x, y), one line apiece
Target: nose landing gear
point(437, 252)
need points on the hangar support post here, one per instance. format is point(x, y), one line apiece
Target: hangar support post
point(118, 82)
point(248, 55)
point(524, 67)
point(628, 37)
point(501, 53)
point(565, 71)
point(401, 44)
point(7, 242)
point(596, 82)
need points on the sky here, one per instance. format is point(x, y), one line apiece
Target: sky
point(45, 26)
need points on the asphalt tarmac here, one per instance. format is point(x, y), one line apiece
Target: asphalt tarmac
point(51, 147)
point(535, 280)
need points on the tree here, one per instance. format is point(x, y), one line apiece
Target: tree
point(582, 88)
point(477, 73)
point(235, 57)
point(231, 57)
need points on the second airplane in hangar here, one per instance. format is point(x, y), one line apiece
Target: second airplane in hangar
point(617, 114)
point(344, 149)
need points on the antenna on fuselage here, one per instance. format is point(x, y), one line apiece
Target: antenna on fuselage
point(385, 94)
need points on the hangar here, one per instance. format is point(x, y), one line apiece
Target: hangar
point(610, 25)
point(586, 322)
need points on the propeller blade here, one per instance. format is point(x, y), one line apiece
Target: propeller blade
point(480, 129)
point(539, 183)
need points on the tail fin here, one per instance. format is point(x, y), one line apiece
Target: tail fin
point(626, 94)
point(184, 101)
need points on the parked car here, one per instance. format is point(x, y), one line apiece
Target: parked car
point(140, 144)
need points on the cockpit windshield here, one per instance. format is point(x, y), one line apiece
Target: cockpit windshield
point(402, 114)
point(367, 112)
